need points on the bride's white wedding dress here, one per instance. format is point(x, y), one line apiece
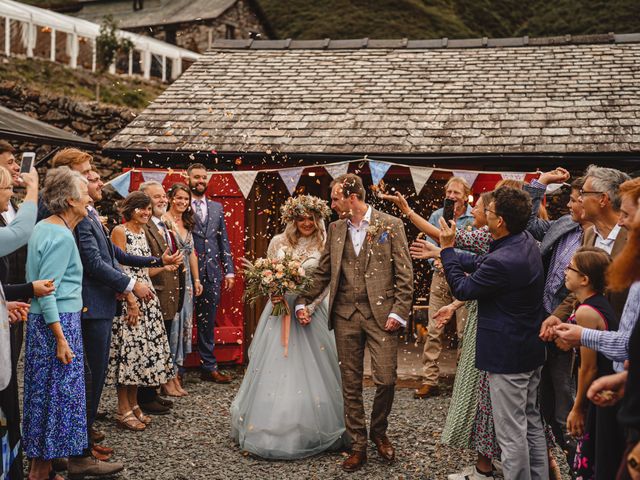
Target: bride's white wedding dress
point(290, 407)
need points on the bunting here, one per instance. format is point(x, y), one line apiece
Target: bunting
point(122, 184)
point(245, 180)
point(154, 176)
point(519, 176)
point(290, 177)
point(337, 169)
point(469, 176)
point(378, 170)
point(420, 176)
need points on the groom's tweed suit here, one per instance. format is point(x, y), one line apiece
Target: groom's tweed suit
point(364, 290)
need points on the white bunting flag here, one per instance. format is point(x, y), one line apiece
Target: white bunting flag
point(337, 170)
point(154, 176)
point(553, 188)
point(245, 180)
point(420, 176)
point(290, 177)
point(519, 176)
point(470, 177)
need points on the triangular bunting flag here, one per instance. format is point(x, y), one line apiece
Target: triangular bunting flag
point(470, 177)
point(154, 176)
point(245, 180)
point(513, 176)
point(420, 176)
point(122, 183)
point(378, 170)
point(337, 170)
point(553, 188)
point(290, 178)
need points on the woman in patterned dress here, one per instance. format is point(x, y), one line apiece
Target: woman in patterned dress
point(179, 218)
point(139, 347)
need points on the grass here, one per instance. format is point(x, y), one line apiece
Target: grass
point(59, 80)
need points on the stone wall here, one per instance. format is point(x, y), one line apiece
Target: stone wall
point(91, 120)
point(197, 36)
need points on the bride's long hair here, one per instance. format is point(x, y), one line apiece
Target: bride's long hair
point(292, 234)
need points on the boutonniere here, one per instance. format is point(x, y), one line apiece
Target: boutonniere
point(379, 228)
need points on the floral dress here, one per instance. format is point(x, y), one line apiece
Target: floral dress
point(140, 354)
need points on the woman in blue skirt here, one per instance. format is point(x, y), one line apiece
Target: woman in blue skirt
point(55, 422)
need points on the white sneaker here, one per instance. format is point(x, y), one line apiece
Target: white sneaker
point(470, 473)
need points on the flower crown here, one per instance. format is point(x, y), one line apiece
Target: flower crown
point(303, 205)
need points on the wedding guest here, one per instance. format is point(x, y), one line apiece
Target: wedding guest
point(167, 284)
point(214, 260)
point(139, 347)
point(601, 206)
point(180, 219)
point(559, 240)
point(508, 284)
point(54, 353)
point(67, 157)
point(613, 345)
point(12, 313)
point(458, 190)
point(600, 443)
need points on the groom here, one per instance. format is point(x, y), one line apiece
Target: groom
point(367, 266)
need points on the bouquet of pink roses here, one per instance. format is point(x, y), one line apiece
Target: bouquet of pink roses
point(274, 278)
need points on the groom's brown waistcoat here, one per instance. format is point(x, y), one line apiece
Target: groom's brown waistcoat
point(352, 294)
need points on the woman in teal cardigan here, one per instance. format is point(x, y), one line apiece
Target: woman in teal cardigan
point(54, 423)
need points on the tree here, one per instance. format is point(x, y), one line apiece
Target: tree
point(108, 45)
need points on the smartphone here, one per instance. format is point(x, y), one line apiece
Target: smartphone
point(448, 210)
point(28, 158)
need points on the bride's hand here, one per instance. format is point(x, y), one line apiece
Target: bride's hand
point(276, 299)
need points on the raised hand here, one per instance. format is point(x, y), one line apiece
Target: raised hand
point(559, 175)
point(421, 249)
point(172, 259)
point(398, 200)
point(447, 233)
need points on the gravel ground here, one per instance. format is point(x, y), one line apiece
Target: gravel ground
point(193, 442)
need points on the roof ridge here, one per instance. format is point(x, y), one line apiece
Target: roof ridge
point(405, 43)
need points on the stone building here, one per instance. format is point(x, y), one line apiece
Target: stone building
point(191, 24)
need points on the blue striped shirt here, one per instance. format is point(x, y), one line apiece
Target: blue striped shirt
point(615, 344)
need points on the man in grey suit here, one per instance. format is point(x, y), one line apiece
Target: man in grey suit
point(559, 240)
point(367, 267)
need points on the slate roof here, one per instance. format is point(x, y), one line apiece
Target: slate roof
point(155, 12)
point(564, 94)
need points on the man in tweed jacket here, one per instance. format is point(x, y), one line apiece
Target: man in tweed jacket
point(367, 266)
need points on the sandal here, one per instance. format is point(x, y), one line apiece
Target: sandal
point(146, 419)
point(129, 421)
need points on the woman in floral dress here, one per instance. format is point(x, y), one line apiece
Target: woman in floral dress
point(139, 347)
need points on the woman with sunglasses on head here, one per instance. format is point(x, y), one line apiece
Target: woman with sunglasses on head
point(600, 443)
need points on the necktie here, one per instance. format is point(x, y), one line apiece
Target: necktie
point(167, 237)
point(199, 210)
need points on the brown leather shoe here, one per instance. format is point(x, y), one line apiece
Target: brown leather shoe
point(355, 461)
point(426, 391)
point(164, 402)
point(60, 464)
point(96, 436)
point(385, 448)
point(81, 467)
point(215, 376)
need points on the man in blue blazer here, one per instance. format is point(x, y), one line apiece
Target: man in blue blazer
point(559, 239)
point(508, 283)
point(215, 264)
point(103, 283)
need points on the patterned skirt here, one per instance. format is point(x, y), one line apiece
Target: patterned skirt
point(462, 410)
point(55, 414)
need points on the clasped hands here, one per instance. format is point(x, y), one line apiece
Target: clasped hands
point(565, 335)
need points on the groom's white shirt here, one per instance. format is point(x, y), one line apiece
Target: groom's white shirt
point(358, 234)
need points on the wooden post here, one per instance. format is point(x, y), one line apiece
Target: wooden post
point(7, 36)
point(30, 42)
point(131, 62)
point(94, 55)
point(147, 65)
point(176, 67)
point(164, 68)
point(52, 53)
point(75, 47)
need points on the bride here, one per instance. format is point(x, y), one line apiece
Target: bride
point(291, 406)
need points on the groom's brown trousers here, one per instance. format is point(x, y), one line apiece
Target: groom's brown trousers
point(351, 337)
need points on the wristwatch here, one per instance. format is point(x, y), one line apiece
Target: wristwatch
point(634, 461)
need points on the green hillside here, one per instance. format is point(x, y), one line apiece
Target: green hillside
point(418, 19)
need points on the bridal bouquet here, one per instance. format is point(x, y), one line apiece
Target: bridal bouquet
point(274, 278)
